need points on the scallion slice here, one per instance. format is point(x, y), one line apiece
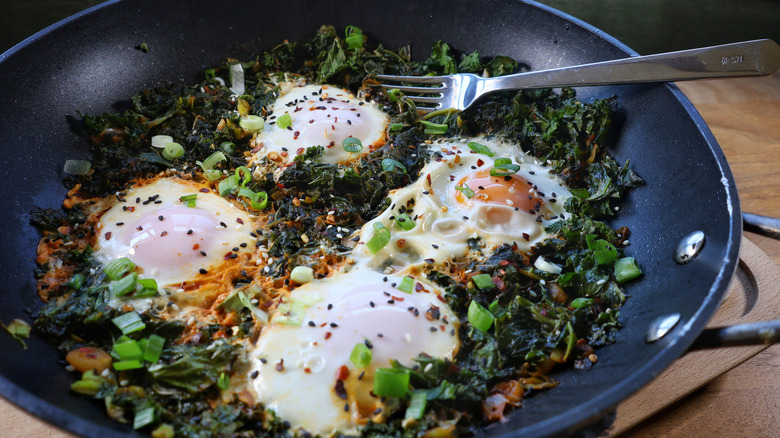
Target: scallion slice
point(256, 312)
point(229, 147)
point(480, 148)
point(483, 281)
point(626, 269)
point(604, 252)
point(124, 285)
point(480, 317)
point(76, 281)
point(133, 364)
point(228, 185)
point(500, 161)
point(352, 144)
point(361, 355)
point(189, 200)
point(284, 121)
point(404, 221)
point(407, 283)
point(129, 322)
point(353, 37)
point(251, 123)
point(395, 127)
point(119, 267)
point(127, 349)
point(504, 169)
point(581, 302)
point(543, 264)
point(417, 403)
point(393, 94)
point(223, 382)
point(237, 85)
point(434, 128)
point(143, 417)
point(389, 165)
point(212, 160)
point(380, 239)
point(466, 190)
point(154, 348)
point(77, 167)
point(391, 382)
point(145, 288)
point(257, 200)
point(172, 151)
point(302, 274)
point(159, 141)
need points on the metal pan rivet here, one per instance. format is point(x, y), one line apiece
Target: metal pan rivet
point(661, 326)
point(689, 247)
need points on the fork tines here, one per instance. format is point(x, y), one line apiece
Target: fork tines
point(431, 96)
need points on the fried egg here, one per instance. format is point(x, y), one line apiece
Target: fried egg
point(169, 240)
point(456, 205)
point(320, 115)
point(301, 363)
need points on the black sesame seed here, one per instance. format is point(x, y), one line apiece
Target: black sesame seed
point(334, 325)
point(368, 344)
point(203, 253)
point(189, 231)
point(434, 329)
point(119, 224)
point(330, 306)
point(223, 225)
point(263, 360)
point(312, 323)
point(371, 303)
point(255, 373)
point(203, 271)
point(160, 217)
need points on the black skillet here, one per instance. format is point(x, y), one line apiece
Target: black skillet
point(90, 63)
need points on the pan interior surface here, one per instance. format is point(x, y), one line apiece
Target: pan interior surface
point(90, 64)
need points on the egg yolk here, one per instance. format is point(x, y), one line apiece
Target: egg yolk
point(513, 191)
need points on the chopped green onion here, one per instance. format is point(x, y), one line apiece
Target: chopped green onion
point(145, 288)
point(417, 403)
point(393, 94)
point(504, 169)
point(353, 37)
point(361, 355)
point(76, 281)
point(129, 322)
point(159, 141)
point(251, 123)
point(404, 221)
point(124, 285)
point(228, 185)
point(154, 348)
point(352, 144)
point(143, 417)
point(210, 73)
point(302, 274)
point(223, 382)
point(284, 121)
point(483, 281)
point(466, 190)
point(189, 200)
point(127, 349)
point(119, 267)
point(257, 200)
point(500, 161)
point(87, 385)
point(19, 330)
point(434, 128)
point(256, 312)
point(394, 127)
point(480, 148)
point(480, 317)
point(572, 341)
point(380, 239)
point(228, 146)
point(626, 269)
point(581, 302)
point(543, 264)
point(407, 283)
point(391, 382)
point(604, 252)
point(212, 174)
point(77, 167)
point(389, 165)
point(172, 150)
point(133, 364)
point(212, 160)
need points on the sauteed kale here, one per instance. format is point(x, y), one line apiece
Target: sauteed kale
point(193, 382)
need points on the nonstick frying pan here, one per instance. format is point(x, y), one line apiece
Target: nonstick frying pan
point(89, 63)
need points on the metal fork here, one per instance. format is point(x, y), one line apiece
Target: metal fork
point(459, 91)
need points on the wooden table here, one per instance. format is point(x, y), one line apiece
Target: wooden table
point(744, 115)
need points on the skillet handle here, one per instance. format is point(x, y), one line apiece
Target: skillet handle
point(754, 333)
point(767, 226)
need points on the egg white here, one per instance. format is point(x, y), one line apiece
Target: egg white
point(297, 361)
point(320, 115)
point(169, 241)
point(444, 226)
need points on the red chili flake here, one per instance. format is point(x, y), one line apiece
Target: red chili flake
point(428, 179)
point(307, 370)
point(418, 287)
point(327, 335)
point(280, 185)
point(299, 151)
point(108, 235)
point(228, 255)
point(196, 246)
point(503, 263)
point(164, 233)
point(398, 298)
point(130, 209)
point(280, 365)
point(204, 190)
point(341, 392)
point(433, 314)
point(331, 144)
point(342, 373)
point(140, 228)
point(442, 328)
point(240, 221)
point(283, 153)
point(526, 237)
point(441, 298)
point(296, 134)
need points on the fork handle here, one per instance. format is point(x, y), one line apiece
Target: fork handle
point(750, 58)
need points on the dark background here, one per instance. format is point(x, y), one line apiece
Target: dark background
point(647, 26)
